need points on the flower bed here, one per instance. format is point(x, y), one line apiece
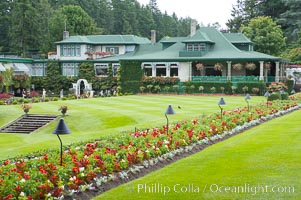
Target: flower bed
point(89, 166)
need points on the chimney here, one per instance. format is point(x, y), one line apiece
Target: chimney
point(153, 36)
point(65, 35)
point(193, 24)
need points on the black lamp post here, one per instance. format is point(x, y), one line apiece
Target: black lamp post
point(220, 103)
point(61, 129)
point(267, 94)
point(247, 98)
point(169, 111)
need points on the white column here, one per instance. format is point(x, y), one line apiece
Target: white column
point(261, 77)
point(266, 74)
point(277, 72)
point(153, 70)
point(229, 70)
point(168, 69)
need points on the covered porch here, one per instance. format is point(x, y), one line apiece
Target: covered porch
point(266, 71)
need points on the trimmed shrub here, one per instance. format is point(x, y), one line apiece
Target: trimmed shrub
point(284, 96)
point(274, 96)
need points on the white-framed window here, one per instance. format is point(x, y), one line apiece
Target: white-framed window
point(38, 69)
point(202, 47)
point(147, 69)
point(70, 50)
point(89, 48)
point(101, 69)
point(189, 47)
point(161, 70)
point(195, 47)
point(113, 50)
point(115, 67)
point(70, 69)
point(174, 70)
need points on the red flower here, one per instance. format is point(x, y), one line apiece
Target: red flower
point(7, 162)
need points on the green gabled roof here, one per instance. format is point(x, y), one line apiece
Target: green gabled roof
point(105, 39)
point(198, 37)
point(237, 38)
point(222, 50)
point(172, 39)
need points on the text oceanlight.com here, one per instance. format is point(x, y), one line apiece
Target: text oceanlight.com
point(250, 189)
point(213, 188)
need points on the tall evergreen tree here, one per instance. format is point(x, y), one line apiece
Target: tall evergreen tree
point(24, 29)
point(290, 19)
point(242, 13)
point(5, 7)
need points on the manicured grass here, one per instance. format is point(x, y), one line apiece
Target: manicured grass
point(260, 163)
point(99, 117)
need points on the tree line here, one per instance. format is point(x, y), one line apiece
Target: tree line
point(30, 27)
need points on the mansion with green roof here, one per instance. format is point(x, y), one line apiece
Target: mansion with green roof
point(206, 55)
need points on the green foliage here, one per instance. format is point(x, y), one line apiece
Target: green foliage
point(7, 78)
point(48, 19)
point(206, 87)
point(78, 22)
point(290, 19)
point(261, 86)
point(284, 96)
point(130, 76)
point(274, 96)
point(290, 85)
point(86, 71)
point(266, 34)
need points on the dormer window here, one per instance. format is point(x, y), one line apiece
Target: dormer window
point(196, 47)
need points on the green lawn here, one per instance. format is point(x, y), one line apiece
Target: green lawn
point(260, 163)
point(98, 117)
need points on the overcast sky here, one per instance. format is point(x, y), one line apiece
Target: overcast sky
point(204, 11)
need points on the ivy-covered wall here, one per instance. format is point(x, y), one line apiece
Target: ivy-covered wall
point(130, 76)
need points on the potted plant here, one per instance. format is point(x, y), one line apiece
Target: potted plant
point(26, 108)
point(268, 65)
point(199, 66)
point(250, 66)
point(237, 66)
point(218, 66)
point(63, 109)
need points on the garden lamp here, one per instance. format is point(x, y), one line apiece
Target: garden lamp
point(267, 94)
point(169, 111)
point(61, 129)
point(247, 98)
point(220, 103)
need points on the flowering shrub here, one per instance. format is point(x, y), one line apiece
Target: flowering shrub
point(88, 166)
point(160, 80)
point(275, 87)
point(103, 53)
point(5, 96)
point(34, 94)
